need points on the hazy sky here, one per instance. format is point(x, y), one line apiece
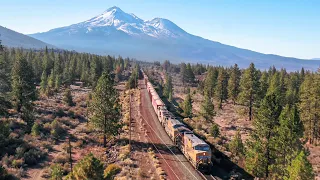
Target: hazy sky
point(283, 27)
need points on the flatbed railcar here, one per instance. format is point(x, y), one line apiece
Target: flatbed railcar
point(194, 149)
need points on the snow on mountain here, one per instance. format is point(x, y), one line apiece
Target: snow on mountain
point(117, 32)
point(115, 19)
point(11, 38)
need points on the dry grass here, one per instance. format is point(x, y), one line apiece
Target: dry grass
point(61, 158)
point(160, 172)
point(124, 152)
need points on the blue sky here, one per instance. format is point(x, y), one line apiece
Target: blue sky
point(283, 27)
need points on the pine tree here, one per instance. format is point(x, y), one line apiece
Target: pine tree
point(310, 106)
point(221, 90)
point(84, 72)
point(4, 135)
point(168, 87)
point(287, 142)
point(23, 87)
point(183, 73)
point(51, 80)
point(27, 114)
point(4, 82)
point(292, 93)
point(210, 82)
point(57, 82)
point(37, 67)
point(67, 97)
point(207, 108)
point(264, 85)
point(47, 62)
point(58, 70)
point(249, 86)
point(260, 154)
point(66, 75)
point(277, 87)
point(95, 71)
point(4, 70)
point(215, 132)
point(189, 74)
point(234, 83)
point(187, 105)
point(300, 168)
point(236, 146)
point(51, 83)
point(44, 83)
point(105, 108)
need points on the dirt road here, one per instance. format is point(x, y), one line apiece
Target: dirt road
point(172, 160)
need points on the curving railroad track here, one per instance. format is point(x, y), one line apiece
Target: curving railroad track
point(175, 164)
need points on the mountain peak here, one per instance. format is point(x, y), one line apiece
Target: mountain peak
point(113, 9)
point(113, 16)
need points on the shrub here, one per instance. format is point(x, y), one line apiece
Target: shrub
point(6, 160)
point(88, 168)
point(215, 132)
point(21, 172)
point(56, 172)
point(67, 97)
point(71, 114)
point(111, 171)
point(60, 112)
point(20, 151)
point(35, 131)
point(33, 156)
point(17, 163)
point(56, 129)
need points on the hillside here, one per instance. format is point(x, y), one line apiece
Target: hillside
point(12, 38)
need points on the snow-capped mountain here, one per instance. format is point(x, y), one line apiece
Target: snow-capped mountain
point(116, 32)
point(115, 19)
point(12, 38)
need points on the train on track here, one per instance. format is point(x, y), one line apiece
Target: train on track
point(195, 149)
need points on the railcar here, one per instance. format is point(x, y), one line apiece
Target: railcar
point(172, 126)
point(195, 149)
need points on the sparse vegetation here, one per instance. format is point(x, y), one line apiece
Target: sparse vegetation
point(215, 132)
point(88, 168)
point(111, 171)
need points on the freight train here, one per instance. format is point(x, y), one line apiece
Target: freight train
point(195, 149)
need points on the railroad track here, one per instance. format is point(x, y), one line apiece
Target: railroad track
point(210, 177)
point(207, 176)
point(204, 176)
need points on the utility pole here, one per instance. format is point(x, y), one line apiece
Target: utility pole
point(130, 122)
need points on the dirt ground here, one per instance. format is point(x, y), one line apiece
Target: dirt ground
point(78, 132)
point(140, 146)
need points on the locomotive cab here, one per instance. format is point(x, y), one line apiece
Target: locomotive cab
point(197, 151)
point(203, 158)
